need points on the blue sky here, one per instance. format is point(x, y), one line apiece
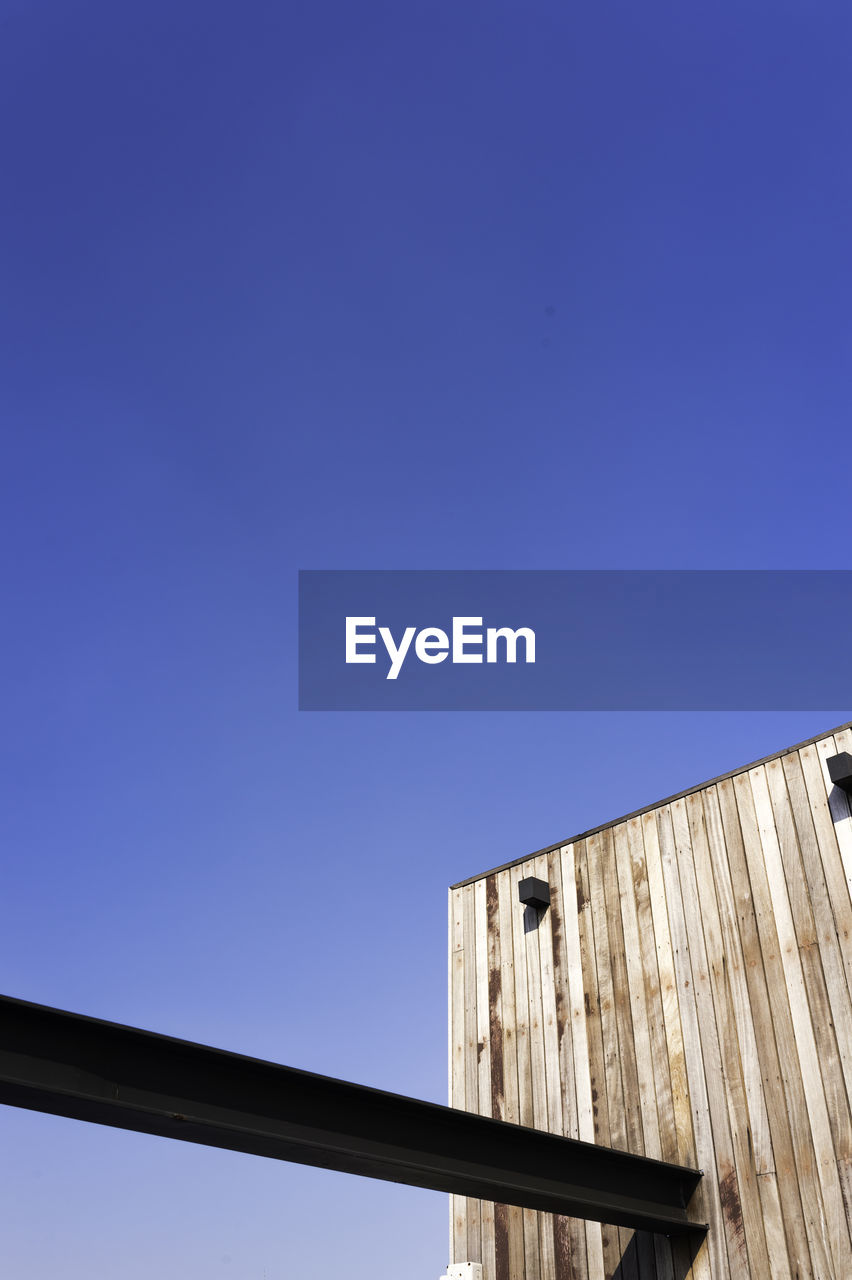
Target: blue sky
point(393, 286)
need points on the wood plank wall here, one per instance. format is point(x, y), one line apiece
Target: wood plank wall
point(687, 995)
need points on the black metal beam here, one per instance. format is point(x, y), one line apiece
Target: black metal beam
point(71, 1065)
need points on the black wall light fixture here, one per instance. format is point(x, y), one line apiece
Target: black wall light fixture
point(840, 771)
point(534, 893)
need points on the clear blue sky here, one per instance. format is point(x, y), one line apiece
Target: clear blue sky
point(377, 285)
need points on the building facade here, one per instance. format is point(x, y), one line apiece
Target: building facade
point(686, 995)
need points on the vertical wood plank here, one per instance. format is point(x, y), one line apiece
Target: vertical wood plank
point(506, 883)
point(561, 910)
point(653, 1002)
point(602, 1243)
point(569, 1233)
point(576, 1003)
point(458, 1204)
point(495, 1044)
point(620, 1045)
point(727, 1245)
point(684, 1138)
point(534, 925)
point(553, 1079)
point(553, 1082)
point(532, 1246)
point(637, 1248)
point(471, 1058)
point(706, 1200)
point(636, 986)
point(483, 1050)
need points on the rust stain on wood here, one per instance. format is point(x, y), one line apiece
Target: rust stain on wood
point(501, 1242)
point(495, 989)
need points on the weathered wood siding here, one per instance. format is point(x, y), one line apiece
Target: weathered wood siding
point(687, 995)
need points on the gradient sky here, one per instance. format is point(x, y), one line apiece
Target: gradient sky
point(348, 286)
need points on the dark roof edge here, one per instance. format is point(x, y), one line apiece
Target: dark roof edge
point(658, 804)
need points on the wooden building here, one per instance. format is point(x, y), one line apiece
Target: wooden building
point(686, 995)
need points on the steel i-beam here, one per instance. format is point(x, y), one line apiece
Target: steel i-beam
point(70, 1065)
